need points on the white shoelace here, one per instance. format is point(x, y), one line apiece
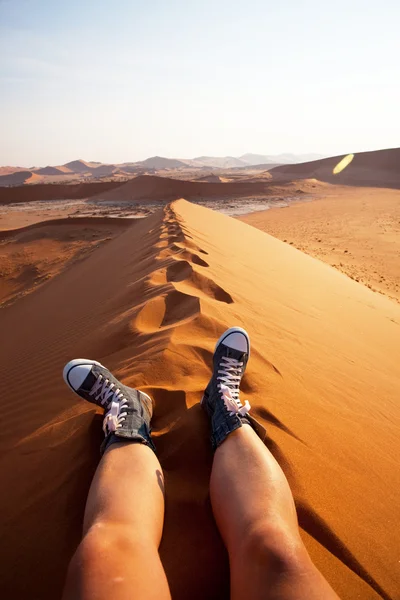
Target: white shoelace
point(115, 417)
point(229, 377)
point(109, 395)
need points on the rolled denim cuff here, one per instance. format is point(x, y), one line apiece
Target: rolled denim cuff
point(135, 438)
point(221, 428)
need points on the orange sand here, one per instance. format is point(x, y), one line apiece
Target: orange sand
point(356, 230)
point(31, 193)
point(32, 255)
point(323, 378)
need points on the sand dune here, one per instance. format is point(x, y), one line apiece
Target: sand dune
point(356, 230)
point(210, 178)
point(7, 170)
point(151, 187)
point(158, 189)
point(380, 168)
point(323, 379)
point(50, 171)
point(79, 166)
point(103, 171)
point(54, 191)
point(31, 256)
point(159, 162)
point(18, 178)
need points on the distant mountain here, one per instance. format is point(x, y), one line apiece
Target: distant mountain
point(295, 158)
point(249, 159)
point(256, 159)
point(159, 162)
point(221, 162)
point(265, 159)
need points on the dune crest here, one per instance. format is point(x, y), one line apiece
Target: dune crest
point(152, 187)
point(378, 168)
point(323, 378)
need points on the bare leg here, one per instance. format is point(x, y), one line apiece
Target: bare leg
point(255, 513)
point(118, 556)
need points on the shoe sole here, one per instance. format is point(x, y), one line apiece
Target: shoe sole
point(78, 361)
point(224, 336)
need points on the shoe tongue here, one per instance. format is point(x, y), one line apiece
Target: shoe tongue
point(233, 353)
point(89, 382)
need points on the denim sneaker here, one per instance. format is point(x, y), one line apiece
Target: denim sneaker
point(127, 410)
point(221, 399)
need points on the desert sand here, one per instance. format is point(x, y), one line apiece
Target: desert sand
point(31, 255)
point(21, 206)
point(152, 188)
point(150, 303)
point(356, 230)
point(33, 193)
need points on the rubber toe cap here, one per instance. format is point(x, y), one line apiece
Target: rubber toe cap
point(75, 375)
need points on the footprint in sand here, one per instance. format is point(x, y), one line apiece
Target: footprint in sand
point(182, 272)
point(164, 312)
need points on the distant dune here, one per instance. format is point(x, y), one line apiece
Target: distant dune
point(210, 178)
point(64, 169)
point(31, 193)
point(256, 167)
point(18, 178)
point(78, 166)
point(158, 189)
point(103, 170)
point(323, 378)
point(9, 170)
point(151, 187)
point(380, 168)
point(132, 169)
point(49, 171)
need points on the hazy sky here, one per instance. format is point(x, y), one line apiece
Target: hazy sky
point(124, 80)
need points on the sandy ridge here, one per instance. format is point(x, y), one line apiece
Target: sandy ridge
point(149, 304)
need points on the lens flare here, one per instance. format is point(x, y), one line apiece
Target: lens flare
point(343, 164)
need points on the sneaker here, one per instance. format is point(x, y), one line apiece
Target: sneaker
point(127, 411)
point(221, 399)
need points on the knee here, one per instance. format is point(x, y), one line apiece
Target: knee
point(106, 533)
point(276, 549)
point(103, 539)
